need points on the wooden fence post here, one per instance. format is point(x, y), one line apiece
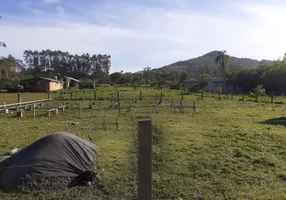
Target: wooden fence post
point(194, 106)
point(94, 95)
point(19, 98)
point(182, 97)
point(34, 110)
point(19, 112)
point(202, 94)
point(161, 98)
point(117, 124)
point(219, 95)
point(71, 96)
point(232, 95)
point(272, 97)
point(118, 102)
point(19, 101)
point(144, 160)
point(172, 102)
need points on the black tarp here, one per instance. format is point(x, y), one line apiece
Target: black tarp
point(56, 155)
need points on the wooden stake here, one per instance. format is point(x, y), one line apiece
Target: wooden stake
point(144, 160)
point(272, 97)
point(202, 93)
point(71, 96)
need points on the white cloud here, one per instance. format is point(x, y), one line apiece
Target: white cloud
point(137, 37)
point(51, 1)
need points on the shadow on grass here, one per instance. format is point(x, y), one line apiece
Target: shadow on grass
point(254, 101)
point(275, 121)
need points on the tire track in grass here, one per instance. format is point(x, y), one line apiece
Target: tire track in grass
point(118, 160)
point(157, 157)
point(173, 149)
point(158, 162)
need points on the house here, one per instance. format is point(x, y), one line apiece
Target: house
point(217, 82)
point(42, 84)
point(71, 82)
point(214, 83)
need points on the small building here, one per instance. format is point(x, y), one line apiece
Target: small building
point(42, 84)
point(71, 82)
point(214, 83)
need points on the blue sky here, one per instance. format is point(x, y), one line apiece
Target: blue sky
point(144, 33)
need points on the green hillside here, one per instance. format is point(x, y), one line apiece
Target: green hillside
point(206, 63)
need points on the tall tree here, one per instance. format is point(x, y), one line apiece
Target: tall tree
point(9, 67)
point(222, 59)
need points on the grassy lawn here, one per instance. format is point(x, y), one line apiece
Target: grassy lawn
point(220, 152)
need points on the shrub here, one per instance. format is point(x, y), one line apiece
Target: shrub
point(258, 91)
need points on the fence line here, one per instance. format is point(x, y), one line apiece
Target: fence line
point(23, 103)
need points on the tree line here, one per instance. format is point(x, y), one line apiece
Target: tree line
point(66, 64)
point(90, 69)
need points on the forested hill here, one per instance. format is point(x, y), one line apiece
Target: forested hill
point(207, 61)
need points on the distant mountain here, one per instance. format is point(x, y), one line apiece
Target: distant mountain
point(207, 61)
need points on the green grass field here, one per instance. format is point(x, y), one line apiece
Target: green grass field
point(221, 151)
